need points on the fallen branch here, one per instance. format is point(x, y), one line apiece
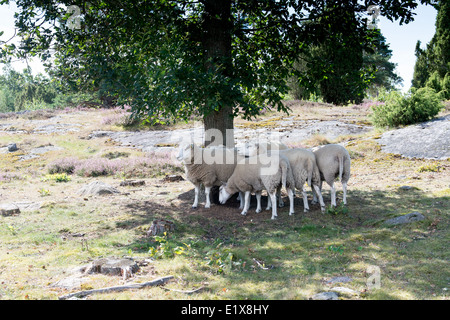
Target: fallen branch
point(85, 293)
point(262, 266)
point(186, 292)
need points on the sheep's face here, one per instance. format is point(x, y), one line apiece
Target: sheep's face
point(223, 194)
point(185, 153)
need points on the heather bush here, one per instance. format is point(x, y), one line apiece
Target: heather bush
point(7, 177)
point(65, 165)
point(151, 165)
point(417, 105)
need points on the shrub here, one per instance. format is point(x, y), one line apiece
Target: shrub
point(57, 177)
point(151, 165)
point(417, 105)
point(66, 165)
point(445, 85)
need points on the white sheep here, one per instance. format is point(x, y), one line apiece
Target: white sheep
point(333, 161)
point(256, 173)
point(265, 146)
point(305, 169)
point(208, 166)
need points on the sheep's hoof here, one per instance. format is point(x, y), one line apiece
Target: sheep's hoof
point(314, 202)
point(274, 217)
point(244, 213)
point(281, 205)
point(291, 213)
point(207, 206)
point(194, 207)
point(258, 211)
point(305, 210)
point(322, 209)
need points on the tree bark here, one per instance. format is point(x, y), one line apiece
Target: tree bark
point(217, 27)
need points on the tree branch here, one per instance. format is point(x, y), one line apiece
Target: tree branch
point(132, 286)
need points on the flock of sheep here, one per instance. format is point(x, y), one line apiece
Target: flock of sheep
point(266, 166)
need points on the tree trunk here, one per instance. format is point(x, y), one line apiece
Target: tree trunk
point(219, 127)
point(217, 27)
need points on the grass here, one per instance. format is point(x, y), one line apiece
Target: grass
point(234, 257)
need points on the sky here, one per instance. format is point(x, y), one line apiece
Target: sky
point(402, 39)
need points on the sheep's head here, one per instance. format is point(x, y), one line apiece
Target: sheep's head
point(223, 194)
point(186, 153)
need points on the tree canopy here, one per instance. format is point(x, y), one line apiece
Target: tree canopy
point(174, 58)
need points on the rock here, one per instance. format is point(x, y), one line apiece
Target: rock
point(407, 218)
point(69, 283)
point(97, 188)
point(427, 140)
point(98, 134)
point(342, 291)
point(343, 279)
point(9, 209)
point(28, 205)
point(325, 296)
point(12, 147)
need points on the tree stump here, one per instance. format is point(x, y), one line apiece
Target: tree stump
point(9, 209)
point(172, 178)
point(115, 267)
point(132, 183)
point(160, 226)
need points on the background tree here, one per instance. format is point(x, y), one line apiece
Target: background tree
point(174, 58)
point(433, 62)
point(384, 76)
point(421, 67)
point(22, 90)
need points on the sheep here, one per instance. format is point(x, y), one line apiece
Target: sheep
point(305, 169)
point(333, 161)
point(208, 166)
point(256, 173)
point(263, 147)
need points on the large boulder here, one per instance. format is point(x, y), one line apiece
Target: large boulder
point(407, 218)
point(97, 188)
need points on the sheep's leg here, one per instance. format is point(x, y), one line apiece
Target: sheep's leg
point(273, 198)
point(314, 200)
point(333, 195)
point(344, 188)
point(241, 200)
point(280, 200)
point(247, 203)
point(315, 194)
point(291, 201)
point(208, 201)
point(197, 191)
point(322, 203)
point(269, 203)
point(258, 202)
point(305, 200)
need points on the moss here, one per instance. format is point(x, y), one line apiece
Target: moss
point(174, 145)
point(432, 167)
point(267, 123)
